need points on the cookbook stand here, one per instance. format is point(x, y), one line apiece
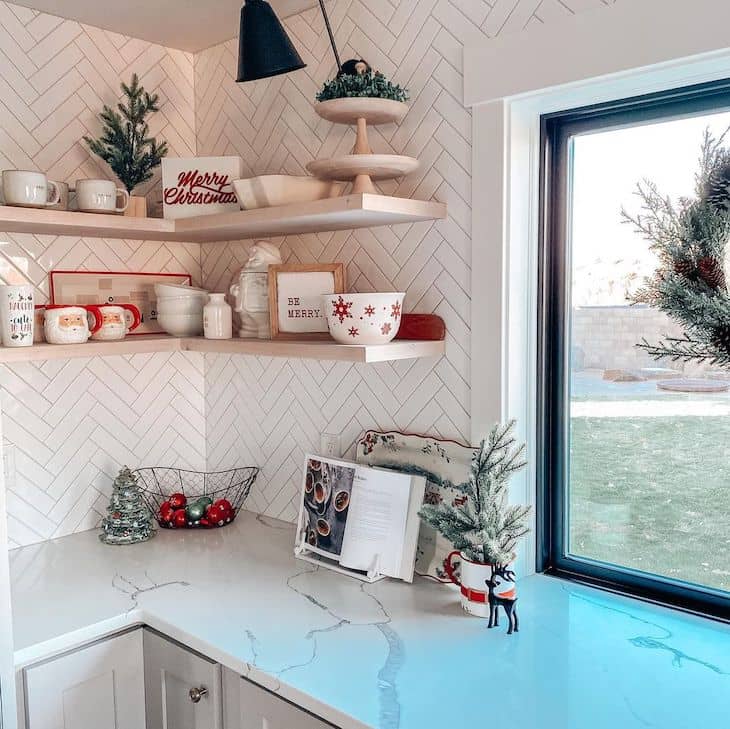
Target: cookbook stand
point(304, 552)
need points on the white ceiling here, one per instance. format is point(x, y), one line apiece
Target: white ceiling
point(190, 25)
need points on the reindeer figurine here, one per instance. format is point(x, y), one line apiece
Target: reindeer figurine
point(508, 599)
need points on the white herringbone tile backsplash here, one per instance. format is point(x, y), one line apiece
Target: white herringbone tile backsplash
point(276, 410)
point(72, 424)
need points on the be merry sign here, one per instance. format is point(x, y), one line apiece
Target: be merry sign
point(199, 185)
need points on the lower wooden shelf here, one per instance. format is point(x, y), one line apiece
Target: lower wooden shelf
point(322, 350)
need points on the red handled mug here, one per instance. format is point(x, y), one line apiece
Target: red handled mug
point(111, 322)
point(471, 578)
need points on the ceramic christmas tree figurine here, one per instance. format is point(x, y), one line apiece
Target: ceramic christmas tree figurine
point(127, 519)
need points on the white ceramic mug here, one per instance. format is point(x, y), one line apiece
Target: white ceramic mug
point(63, 196)
point(17, 315)
point(110, 322)
point(471, 578)
point(27, 189)
point(100, 196)
point(66, 324)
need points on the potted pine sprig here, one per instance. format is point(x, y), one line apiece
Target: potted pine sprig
point(125, 144)
point(483, 527)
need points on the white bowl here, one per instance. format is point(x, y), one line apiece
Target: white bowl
point(363, 318)
point(163, 290)
point(181, 325)
point(182, 306)
point(268, 191)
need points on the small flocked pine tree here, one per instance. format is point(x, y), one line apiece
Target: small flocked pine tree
point(483, 526)
point(127, 520)
point(125, 144)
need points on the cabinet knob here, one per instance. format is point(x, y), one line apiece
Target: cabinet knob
point(197, 693)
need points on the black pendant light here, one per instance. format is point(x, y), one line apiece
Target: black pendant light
point(264, 48)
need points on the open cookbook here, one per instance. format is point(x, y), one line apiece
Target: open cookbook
point(359, 520)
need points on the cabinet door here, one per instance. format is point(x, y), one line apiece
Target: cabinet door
point(171, 672)
point(99, 686)
point(248, 706)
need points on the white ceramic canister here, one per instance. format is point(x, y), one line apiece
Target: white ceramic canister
point(217, 318)
point(17, 315)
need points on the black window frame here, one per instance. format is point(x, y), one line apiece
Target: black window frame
point(553, 340)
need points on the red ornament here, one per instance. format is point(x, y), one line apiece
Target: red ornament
point(166, 511)
point(179, 518)
point(216, 514)
point(225, 504)
point(178, 501)
point(204, 522)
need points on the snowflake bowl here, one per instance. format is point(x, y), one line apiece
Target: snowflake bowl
point(363, 318)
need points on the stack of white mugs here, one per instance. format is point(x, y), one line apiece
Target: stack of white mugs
point(26, 189)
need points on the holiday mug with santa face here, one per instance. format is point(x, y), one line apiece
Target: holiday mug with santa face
point(471, 578)
point(17, 316)
point(67, 324)
point(110, 322)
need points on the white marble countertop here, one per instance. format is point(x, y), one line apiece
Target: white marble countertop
point(387, 655)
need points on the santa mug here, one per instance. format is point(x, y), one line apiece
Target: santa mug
point(67, 324)
point(110, 322)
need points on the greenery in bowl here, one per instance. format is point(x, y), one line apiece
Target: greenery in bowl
point(372, 84)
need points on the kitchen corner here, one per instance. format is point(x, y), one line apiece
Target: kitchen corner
point(387, 655)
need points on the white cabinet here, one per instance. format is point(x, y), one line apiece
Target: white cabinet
point(183, 689)
point(99, 686)
point(248, 706)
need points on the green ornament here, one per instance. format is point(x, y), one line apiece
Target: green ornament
point(195, 511)
point(206, 501)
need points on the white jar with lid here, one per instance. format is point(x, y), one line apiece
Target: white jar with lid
point(217, 318)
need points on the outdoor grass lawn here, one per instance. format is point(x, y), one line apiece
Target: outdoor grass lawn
point(653, 493)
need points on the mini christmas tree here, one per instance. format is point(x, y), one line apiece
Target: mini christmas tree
point(127, 519)
point(483, 526)
point(124, 144)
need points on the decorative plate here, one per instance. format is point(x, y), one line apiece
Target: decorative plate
point(443, 463)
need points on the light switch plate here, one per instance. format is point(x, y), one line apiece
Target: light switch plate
point(331, 445)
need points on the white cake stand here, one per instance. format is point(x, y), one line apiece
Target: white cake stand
point(362, 166)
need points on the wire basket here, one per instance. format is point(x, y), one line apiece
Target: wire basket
point(159, 484)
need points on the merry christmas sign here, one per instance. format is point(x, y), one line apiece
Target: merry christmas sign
point(199, 185)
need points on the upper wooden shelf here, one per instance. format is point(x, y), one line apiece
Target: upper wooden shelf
point(321, 350)
point(360, 210)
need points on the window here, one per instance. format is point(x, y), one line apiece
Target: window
point(634, 463)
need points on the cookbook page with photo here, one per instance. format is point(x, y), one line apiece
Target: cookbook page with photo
point(364, 518)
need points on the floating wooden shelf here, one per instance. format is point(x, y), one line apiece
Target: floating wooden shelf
point(322, 350)
point(341, 213)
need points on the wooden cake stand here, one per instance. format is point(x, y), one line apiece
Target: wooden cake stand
point(362, 166)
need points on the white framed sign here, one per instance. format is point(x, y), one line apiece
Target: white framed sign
point(199, 185)
point(295, 298)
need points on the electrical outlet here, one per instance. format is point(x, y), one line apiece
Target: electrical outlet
point(331, 445)
point(8, 463)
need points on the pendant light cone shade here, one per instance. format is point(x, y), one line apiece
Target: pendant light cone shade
point(264, 48)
